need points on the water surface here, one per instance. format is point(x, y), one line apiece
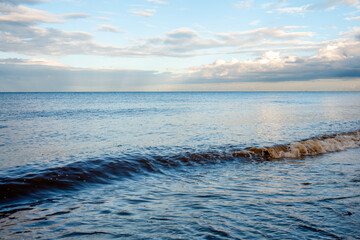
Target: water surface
point(168, 165)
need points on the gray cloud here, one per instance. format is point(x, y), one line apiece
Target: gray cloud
point(22, 1)
point(75, 15)
point(19, 34)
point(21, 14)
point(185, 41)
point(30, 75)
point(108, 28)
point(338, 60)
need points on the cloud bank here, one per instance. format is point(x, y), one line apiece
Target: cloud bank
point(276, 51)
point(43, 75)
point(20, 33)
point(339, 59)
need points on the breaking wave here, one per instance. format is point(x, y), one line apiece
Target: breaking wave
point(312, 146)
point(76, 175)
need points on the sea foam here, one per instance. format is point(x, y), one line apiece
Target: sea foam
point(312, 146)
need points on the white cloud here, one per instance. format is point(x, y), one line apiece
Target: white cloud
point(255, 22)
point(279, 3)
point(158, 2)
point(244, 4)
point(33, 61)
point(103, 18)
point(22, 14)
point(143, 13)
point(293, 10)
point(331, 53)
point(328, 4)
point(185, 41)
point(26, 38)
point(353, 18)
point(19, 33)
point(266, 33)
point(350, 3)
point(108, 28)
point(338, 59)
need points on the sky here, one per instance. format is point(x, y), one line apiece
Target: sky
point(179, 45)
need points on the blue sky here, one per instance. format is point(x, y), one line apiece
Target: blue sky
point(159, 45)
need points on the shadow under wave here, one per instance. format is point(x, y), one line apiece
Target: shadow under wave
point(77, 175)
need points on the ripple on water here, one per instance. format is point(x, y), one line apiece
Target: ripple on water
point(228, 200)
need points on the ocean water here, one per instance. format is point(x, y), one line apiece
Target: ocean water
point(199, 165)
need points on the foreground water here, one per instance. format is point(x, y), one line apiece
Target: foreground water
point(179, 165)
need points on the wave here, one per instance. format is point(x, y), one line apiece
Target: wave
point(307, 147)
point(75, 175)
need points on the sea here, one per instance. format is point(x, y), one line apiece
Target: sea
point(180, 165)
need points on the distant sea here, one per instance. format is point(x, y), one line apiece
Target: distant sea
point(180, 165)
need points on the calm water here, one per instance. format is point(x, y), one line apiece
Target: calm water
point(179, 165)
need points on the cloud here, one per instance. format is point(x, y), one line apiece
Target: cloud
point(279, 3)
point(329, 4)
point(103, 18)
point(19, 33)
point(143, 13)
point(353, 18)
point(255, 22)
point(30, 40)
point(21, 14)
point(244, 4)
point(259, 34)
point(75, 15)
point(108, 28)
point(293, 10)
point(185, 41)
point(22, 1)
point(158, 2)
point(44, 75)
point(350, 3)
point(34, 61)
point(179, 41)
point(337, 60)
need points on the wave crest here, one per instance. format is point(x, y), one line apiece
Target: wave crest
point(77, 174)
point(312, 146)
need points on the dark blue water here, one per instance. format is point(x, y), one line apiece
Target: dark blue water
point(180, 165)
